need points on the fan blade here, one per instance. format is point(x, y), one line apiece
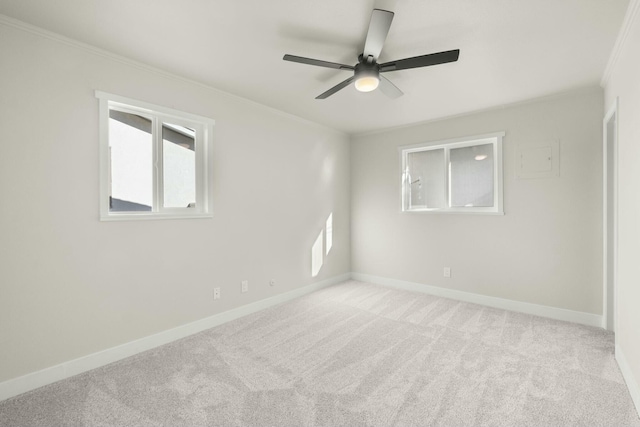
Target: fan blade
point(377, 34)
point(317, 62)
point(336, 88)
point(421, 61)
point(389, 88)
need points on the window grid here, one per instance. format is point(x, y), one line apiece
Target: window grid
point(494, 139)
point(159, 117)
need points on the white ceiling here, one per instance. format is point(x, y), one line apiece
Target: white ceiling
point(510, 50)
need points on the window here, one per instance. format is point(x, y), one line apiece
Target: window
point(454, 176)
point(154, 161)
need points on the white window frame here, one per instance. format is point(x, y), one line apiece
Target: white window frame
point(203, 127)
point(492, 138)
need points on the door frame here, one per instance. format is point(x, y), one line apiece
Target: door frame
point(612, 114)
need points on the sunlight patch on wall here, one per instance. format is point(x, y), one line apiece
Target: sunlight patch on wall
point(324, 240)
point(329, 232)
point(317, 255)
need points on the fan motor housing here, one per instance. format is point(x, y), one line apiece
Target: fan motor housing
point(367, 70)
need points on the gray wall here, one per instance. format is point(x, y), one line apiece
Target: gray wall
point(71, 285)
point(546, 250)
point(624, 83)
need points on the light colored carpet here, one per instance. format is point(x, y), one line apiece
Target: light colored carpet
point(353, 355)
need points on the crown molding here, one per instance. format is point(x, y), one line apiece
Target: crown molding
point(32, 29)
point(592, 88)
point(629, 19)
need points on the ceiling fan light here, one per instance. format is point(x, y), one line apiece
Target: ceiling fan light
point(367, 83)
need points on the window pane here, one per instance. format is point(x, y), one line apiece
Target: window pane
point(130, 147)
point(178, 166)
point(471, 175)
point(425, 179)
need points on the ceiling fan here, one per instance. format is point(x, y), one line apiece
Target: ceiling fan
point(367, 73)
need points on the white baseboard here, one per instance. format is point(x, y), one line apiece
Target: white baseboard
point(25, 383)
point(632, 384)
point(505, 304)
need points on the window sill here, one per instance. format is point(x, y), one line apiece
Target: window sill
point(452, 211)
point(153, 216)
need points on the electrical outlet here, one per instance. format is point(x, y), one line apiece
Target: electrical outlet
point(245, 286)
point(447, 272)
point(216, 293)
point(272, 282)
